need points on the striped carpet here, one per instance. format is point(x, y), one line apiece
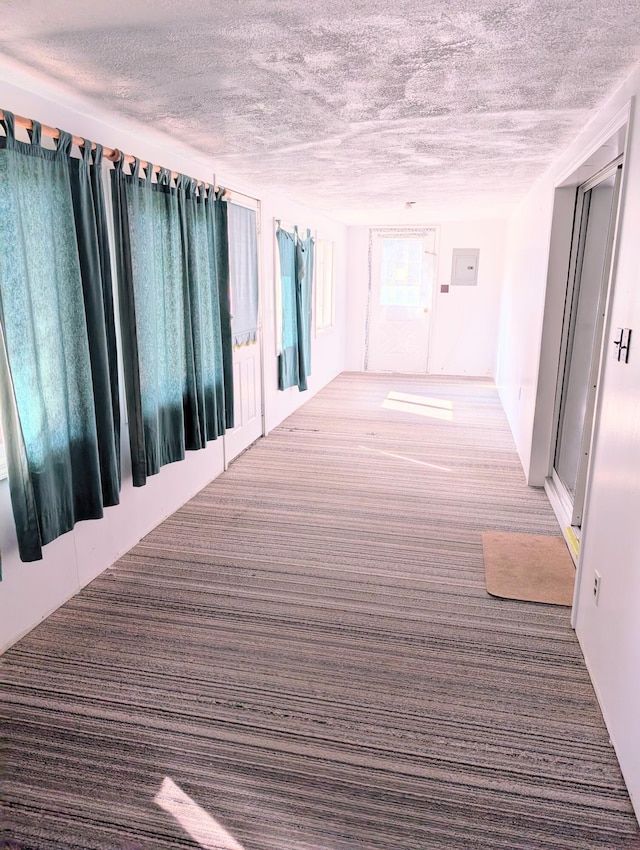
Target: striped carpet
point(304, 657)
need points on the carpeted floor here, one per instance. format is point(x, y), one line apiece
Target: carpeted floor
point(305, 657)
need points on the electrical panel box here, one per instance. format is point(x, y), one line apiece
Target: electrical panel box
point(465, 267)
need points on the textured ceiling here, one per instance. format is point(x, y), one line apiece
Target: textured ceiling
point(353, 107)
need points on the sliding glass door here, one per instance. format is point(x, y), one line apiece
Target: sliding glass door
point(593, 237)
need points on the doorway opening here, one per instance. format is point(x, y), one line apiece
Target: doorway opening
point(402, 272)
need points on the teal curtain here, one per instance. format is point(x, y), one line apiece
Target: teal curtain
point(218, 212)
point(304, 292)
point(58, 390)
point(243, 263)
point(288, 360)
point(204, 401)
point(174, 313)
point(95, 265)
point(296, 278)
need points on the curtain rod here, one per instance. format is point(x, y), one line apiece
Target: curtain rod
point(112, 154)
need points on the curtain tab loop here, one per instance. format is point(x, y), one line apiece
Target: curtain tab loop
point(35, 133)
point(64, 143)
point(187, 185)
point(86, 151)
point(96, 155)
point(9, 123)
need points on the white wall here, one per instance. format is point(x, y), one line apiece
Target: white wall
point(464, 321)
point(30, 592)
point(521, 314)
point(609, 632)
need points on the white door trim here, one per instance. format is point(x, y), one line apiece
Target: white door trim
point(402, 232)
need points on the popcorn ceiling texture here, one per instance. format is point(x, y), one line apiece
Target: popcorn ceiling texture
point(347, 107)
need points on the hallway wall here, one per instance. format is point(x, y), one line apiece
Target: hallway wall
point(464, 320)
point(30, 592)
point(609, 631)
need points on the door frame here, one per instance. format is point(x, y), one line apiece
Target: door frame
point(248, 201)
point(611, 141)
point(408, 232)
point(576, 505)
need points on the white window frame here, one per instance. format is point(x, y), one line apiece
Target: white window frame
point(325, 288)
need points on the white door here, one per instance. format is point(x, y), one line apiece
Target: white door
point(247, 394)
point(401, 286)
point(246, 324)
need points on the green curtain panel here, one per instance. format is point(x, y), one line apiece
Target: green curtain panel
point(206, 270)
point(58, 390)
point(220, 236)
point(243, 263)
point(95, 266)
point(304, 292)
point(174, 315)
point(296, 277)
point(288, 360)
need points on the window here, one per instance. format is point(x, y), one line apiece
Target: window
point(403, 281)
point(243, 270)
point(325, 288)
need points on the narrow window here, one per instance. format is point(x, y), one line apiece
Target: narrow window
point(325, 286)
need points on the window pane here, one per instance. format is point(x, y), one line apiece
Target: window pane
point(324, 285)
point(402, 283)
